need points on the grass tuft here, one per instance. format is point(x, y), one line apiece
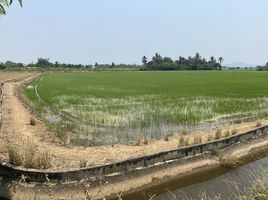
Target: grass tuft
point(29, 156)
point(32, 121)
point(218, 134)
point(82, 163)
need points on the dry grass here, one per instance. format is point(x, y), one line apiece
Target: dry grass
point(14, 157)
point(168, 135)
point(184, 131)
point(141, 141)
point(183, 141)
point(82, 163)
point(197, 139)
point(258, 124)
point(234, 132)
point(29, 157)
point(227, 133)
point(218, 134)
point(209, 137)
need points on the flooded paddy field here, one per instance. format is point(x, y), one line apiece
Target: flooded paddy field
point(119, 107)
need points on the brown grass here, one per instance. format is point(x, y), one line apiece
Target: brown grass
point(234, 132)
point(197, 139)
point(218, 134)
point(183, 141)
point(258, 124)
point(82, 163)
point(29, 156)
point(141, 141)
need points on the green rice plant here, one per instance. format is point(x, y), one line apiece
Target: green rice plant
point(105, 102)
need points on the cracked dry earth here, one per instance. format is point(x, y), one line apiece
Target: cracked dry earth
point(17, 132)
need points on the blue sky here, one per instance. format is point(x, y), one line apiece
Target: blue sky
point(122, 31)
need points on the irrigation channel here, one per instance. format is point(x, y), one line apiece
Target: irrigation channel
point(219, 183)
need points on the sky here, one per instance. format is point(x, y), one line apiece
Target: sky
point(122, 31)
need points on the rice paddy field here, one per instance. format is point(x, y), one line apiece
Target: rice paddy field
point(119, 107)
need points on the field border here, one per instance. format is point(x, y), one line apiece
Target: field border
point(96, 173)
point(2, 84)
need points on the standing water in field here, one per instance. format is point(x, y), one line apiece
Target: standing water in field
point(120, 107)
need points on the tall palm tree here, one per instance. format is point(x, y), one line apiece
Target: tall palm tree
point(220, 60)
point(212, 59)
point(6, 3)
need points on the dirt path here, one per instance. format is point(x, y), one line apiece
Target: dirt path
point(17, 132)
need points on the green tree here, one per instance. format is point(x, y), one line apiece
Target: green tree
point(6, 3)
point(43, 62)
point(220, 60)
point(144, 60)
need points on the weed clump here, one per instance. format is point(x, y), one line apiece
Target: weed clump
point(234, 131)
point(209, 137)
point(29, 157)
point(168, 135)
point(258, 124)
point(141, 141)
point(184, 131)
point(183, 141)
point(14, 156)
point(197, 139)
point(218, 134)
point(228, 133)
point(82, 163)
point(32, 121)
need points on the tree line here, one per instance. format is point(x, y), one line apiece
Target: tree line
point(196, 62)
point(45, 63)
point(263, 68)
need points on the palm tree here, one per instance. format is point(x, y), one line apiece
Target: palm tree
point(220, 60)
point(6, 3)
point(212, 59)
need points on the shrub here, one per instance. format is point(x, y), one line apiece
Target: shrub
point(141, 141)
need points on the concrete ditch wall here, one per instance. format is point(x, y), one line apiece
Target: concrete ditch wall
point(130, 165)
